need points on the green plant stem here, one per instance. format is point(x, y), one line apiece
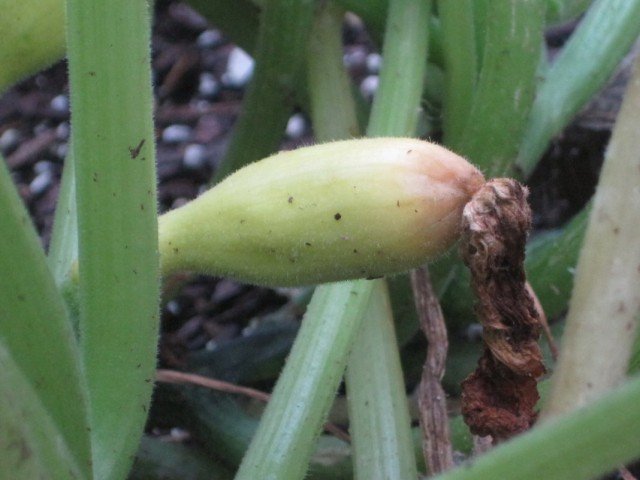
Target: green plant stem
point(506, 85)
point(283, 444)
point(378, 407)
point(326, 57)
point(32, 37)
point(327, 74)
point(458, 37)
point(575, 447)
point(35, 329)
point(551, 260)
point(560, 11)
point(31, 443)
point(381, 435)
point(395, 107)
point(268, 102)
point(587, 60)
point(601, 322)
point(113, 148)
point(166, 460)
point(63, 250)
point(374, 15)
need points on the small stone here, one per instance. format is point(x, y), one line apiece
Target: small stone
point(61, 150)
point(173, 307)
point(239, 69)
point(369, 86)
point(60, 103)
point(176, 133)
point(41, 183)
point(354, 58)
point(42, 167)
point(208, 86)
point(296, 126)
point(374, 62)
point(9, 139)
point(194, 156)
point(41, 128)
point(209, 39)
point(62, 131)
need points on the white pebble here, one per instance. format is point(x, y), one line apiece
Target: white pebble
point(374, 62)
point(194, 156)
point(173, 307)
point(61, 150)
point(40, 128)
point(176, 133)
point(239, 68)
point(62, 131)
point(60, 103)
point(354, 58)
point(296, 126)
point(369, 86)
point(209, 38)
point(40, 183)
point(9, 138)
point(208, 86)
point(43, 166)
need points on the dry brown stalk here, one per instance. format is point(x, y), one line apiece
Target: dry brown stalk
point(432, 401)
point(499, 398)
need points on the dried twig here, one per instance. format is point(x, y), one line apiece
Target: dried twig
point(625, 474)
point(431, 398)
point(499, 398)
point(173, 376)
point(543, 322)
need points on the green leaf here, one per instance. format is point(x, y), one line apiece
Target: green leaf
point(268, 102)
point(283, 444)
point(582, 445)
point(506, 85)
point(31, 443)
point(113, 148)
point(378, 408)
point(587, 60)
point(34, 325)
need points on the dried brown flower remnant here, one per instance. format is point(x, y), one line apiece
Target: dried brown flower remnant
point(499, 398)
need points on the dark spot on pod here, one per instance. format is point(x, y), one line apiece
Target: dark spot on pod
point(290, 200)
point(307, 244)
point(337, 216)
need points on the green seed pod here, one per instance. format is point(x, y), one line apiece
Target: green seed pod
point(337, 211)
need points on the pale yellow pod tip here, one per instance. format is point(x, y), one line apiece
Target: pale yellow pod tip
point(335, 211)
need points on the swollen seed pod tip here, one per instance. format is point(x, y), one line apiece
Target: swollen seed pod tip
point(335, 211)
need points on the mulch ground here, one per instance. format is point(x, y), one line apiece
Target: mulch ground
point(198, 100)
